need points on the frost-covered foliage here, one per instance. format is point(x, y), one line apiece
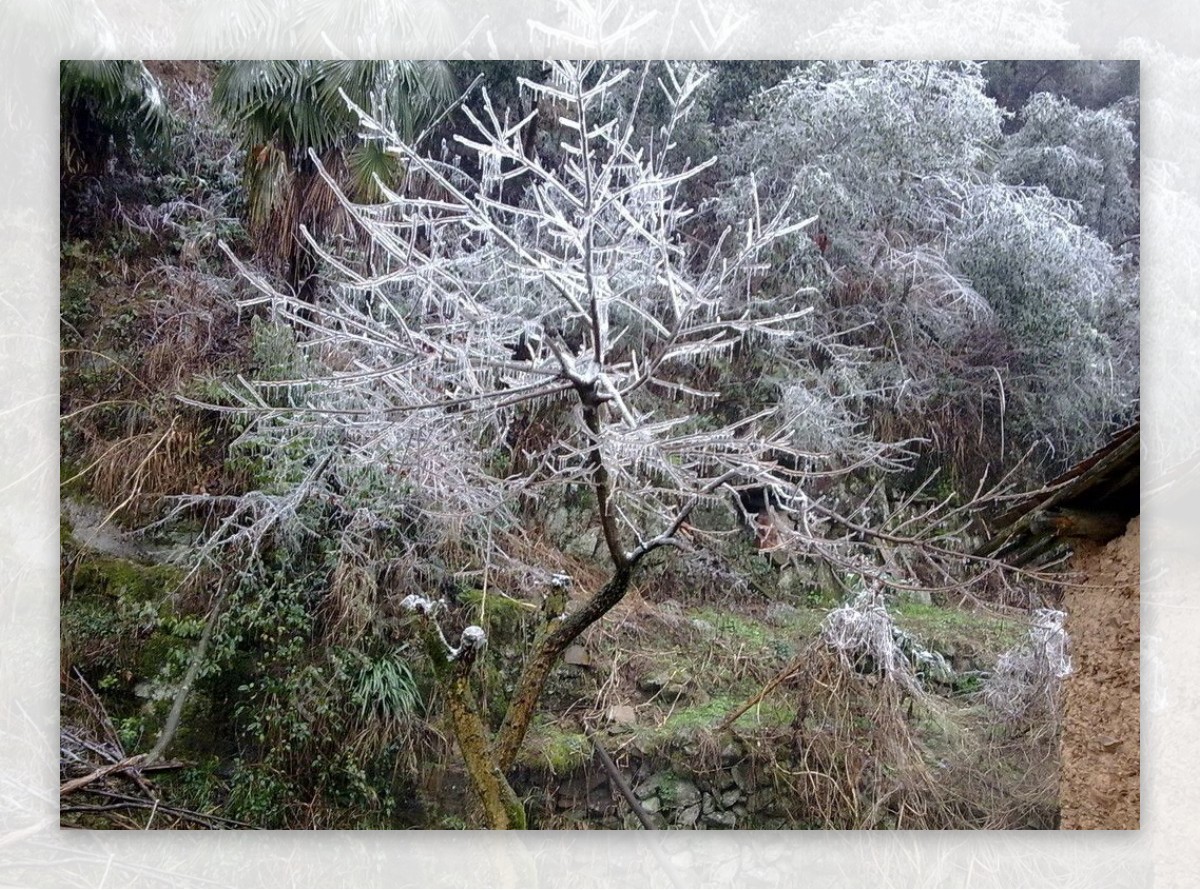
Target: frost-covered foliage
point(1080, 155)
point(564, 294)
point(1028, 677)
point(867, 639)
point(1067, 309)
point(871, 144)
point(951, 299)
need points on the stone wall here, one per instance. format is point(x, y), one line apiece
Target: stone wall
point(728, 794)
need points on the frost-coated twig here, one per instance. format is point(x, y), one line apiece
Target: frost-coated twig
point(567, 293)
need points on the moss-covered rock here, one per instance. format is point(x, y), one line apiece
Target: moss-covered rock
point(124, 580)
point(555, 748)
point(119, 627)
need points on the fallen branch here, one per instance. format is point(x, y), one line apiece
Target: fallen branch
point(84, 781)
point(622, 785)
point(788, 671)
point(181, 695)
point(125, 801)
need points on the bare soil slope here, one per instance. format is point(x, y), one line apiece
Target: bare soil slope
point(1100, 747)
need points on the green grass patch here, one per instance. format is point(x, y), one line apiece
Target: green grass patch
point(713, 712)
point(734, 628)
point(684, 723)
point(958, 628)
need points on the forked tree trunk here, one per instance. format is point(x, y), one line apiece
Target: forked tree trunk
point(487, 764)
point(501, 807)
point(488, 760)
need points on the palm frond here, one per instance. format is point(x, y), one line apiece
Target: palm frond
point(283, 110)
point(108, 106)
point(369, 165)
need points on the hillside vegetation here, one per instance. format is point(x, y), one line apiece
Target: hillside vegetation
point(456, 445)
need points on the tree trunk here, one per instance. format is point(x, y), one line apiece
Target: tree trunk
point(558, 635)
point(486, 761)
point(502, 808)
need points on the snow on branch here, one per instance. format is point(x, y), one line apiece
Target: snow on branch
point(566, 287)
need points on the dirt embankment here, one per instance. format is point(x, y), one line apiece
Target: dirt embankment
point(1100, 747)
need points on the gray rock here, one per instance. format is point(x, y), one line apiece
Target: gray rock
point(558, 521)
point(652, 683)
point(730, 797)
point(622, 714)
point(651, 785)
point(652, 804)
point(92, 529)
point(721, 819)
point(933, 667)
point(630, 822)
point(688, 817)
point(797, 580)
point(743, 777)
point(781, 614)
point(680, 793)
point(578, 655)
point(921, 597)
point(762, 800)
point(583, 545)
point(706, 803)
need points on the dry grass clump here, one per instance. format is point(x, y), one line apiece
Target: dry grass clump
point(871, 747)
point(135, 442)
point(135, 473)
point(857, 760)
point(352, 603)
point(1014, 773)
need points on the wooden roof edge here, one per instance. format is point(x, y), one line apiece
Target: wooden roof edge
point(1080, 478)
point(1117, 458)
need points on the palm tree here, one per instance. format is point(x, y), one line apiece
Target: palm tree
point(287, 111)
point(108, 107)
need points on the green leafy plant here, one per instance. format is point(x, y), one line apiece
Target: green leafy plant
point(108, 108)
point(285, 113)
point(383, 688)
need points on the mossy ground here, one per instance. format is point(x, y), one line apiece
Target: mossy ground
point(685, 678)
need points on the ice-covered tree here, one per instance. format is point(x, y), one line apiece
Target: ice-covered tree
point(966, 289)
point(586, 309)
point(1084, 156)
